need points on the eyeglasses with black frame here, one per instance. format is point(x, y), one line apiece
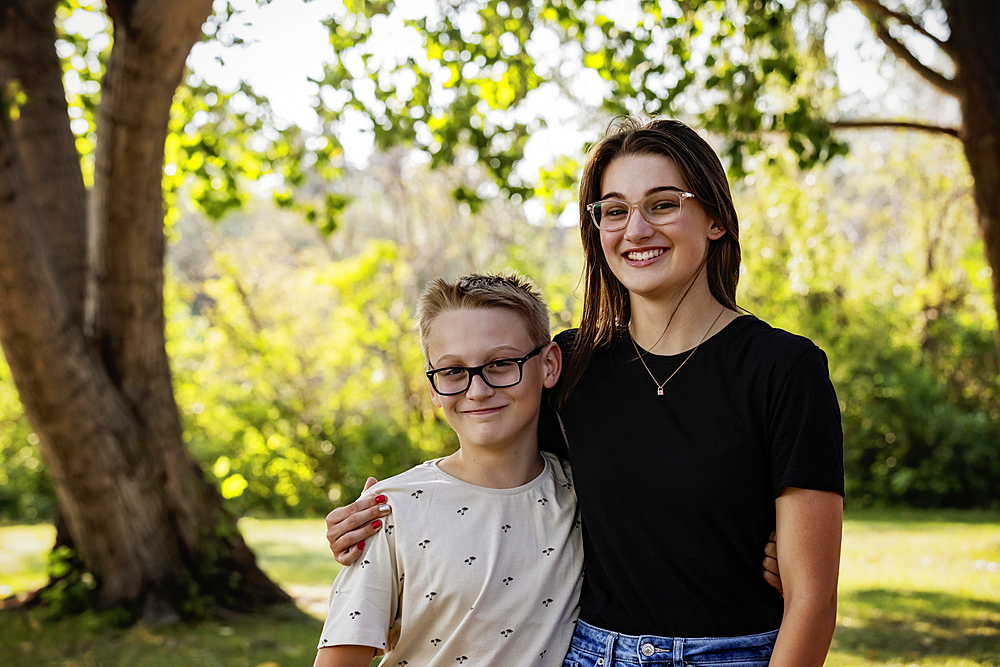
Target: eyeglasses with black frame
point(659, 208)
point(499, 374)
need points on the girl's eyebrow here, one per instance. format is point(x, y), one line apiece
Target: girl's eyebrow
point(618, 195)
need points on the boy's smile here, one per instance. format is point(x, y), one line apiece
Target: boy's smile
point(488, 418)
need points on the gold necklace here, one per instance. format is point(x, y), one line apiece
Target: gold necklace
point(660, 385)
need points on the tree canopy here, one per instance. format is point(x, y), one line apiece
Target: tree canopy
point(754, 71)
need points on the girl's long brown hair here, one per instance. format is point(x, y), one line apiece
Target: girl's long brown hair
point(605, 300)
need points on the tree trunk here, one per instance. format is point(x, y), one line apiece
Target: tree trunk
point(973, 26)
point(53, 166)
point(96, 387)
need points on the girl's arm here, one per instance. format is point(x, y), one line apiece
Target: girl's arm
point(344, 656)
point(809, 527)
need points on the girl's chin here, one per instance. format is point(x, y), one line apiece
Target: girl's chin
point(652, 278)
point(643, 278)
point(653, 287)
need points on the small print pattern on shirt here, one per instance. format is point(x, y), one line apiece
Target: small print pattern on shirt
point(465, 574)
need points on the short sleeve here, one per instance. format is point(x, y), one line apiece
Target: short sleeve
point(364, 598)
point(806, 436)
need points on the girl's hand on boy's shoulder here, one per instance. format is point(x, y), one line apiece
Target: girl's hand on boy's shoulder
point(349, 526)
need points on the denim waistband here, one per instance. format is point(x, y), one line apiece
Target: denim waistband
point(653, 650)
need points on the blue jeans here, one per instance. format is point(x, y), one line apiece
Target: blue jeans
point(594, 647)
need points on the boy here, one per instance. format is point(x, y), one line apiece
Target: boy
point(482, 560)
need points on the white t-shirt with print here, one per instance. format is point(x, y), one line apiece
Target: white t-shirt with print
point(465, 575)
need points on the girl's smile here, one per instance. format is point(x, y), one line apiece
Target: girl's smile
point(642, 256)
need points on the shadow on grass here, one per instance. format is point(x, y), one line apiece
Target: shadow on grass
point(907, 517)
point(282, 636)
point(881, 624)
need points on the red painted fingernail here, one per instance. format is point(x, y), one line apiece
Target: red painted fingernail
point(380, 499)
point(361, 545)
point(376, 524)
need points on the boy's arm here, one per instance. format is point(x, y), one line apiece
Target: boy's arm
point(344, 656)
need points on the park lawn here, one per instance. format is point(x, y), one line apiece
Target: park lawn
point(919, 588)
point(916, 588)
point(294, 552)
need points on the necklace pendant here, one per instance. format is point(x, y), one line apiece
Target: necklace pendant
point(659, 391)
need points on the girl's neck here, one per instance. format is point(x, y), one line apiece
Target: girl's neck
point(689, 320)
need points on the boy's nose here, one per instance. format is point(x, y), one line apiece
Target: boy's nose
point(478, 387)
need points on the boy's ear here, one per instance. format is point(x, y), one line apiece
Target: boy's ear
point(435, 398)
point(552, 358)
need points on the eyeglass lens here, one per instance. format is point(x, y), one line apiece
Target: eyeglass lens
point(499, 374)
point(659, 208)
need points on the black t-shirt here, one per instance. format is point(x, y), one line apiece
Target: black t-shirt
point(677, 491)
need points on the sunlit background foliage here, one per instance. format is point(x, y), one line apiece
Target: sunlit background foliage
point(298, 368)
point(293, 273)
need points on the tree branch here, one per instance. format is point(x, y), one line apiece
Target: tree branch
point(126, 241)
point(47, 147)
point(935, 78)
point(26, 274)
point(895, 125)
point(876, 7)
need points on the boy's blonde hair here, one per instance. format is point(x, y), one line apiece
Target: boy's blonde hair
point(507, 289)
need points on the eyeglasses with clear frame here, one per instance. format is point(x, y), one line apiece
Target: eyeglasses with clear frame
point(659, 208)
point(499, 374)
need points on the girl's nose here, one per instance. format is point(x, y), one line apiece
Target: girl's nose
point(638, 228)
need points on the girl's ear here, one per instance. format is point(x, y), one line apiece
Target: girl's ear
point(553, 364)
point(716, 231)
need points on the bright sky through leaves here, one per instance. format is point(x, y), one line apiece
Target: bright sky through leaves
point(284, 43)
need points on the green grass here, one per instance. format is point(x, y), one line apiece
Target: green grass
point(293, 552)
point(919, 588)
point(22, 557)
point(916, 588)
point(284, 637)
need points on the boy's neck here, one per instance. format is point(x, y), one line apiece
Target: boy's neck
point(506, 468)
